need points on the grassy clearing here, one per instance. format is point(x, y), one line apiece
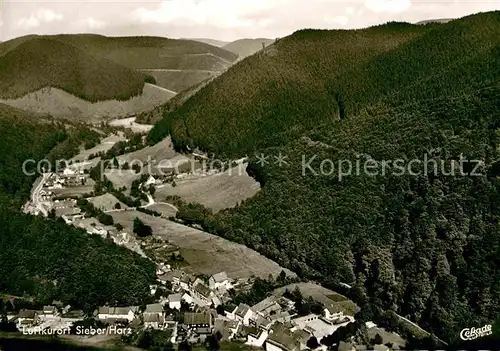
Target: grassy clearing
point(205, 253)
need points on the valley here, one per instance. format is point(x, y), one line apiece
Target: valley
point(331, 189)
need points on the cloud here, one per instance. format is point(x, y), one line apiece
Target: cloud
point(92, 24)
point(39, 17)
point(337, 20)
point(220, 13)
point(388, 6)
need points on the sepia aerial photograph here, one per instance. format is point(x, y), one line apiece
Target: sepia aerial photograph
point(249, 175)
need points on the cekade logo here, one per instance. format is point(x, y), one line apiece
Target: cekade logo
point(474, 333)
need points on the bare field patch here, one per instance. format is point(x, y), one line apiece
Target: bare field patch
point(179, 80)
point(105, 145)
point(216, 191)
point(164, 209)
point(106, 202)
point(122, 178)
point(75, 191)
point(205, 253)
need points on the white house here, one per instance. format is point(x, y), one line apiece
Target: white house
point(219, 281)
point(187, 298)
point(332, 313)
point(243, 313)
point(49, 310)
point(174, 301)
point(117, 313)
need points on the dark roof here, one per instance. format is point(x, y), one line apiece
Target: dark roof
point(203, 290)
point(152, 318)
point(49, 309)
point(27, 314)
point(195, 318)
point(282, 337)
point(242, 310)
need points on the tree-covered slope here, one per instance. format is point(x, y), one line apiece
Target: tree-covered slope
point(44, 258)
point(257, 101)
point(308, 77)
point(43, 62)
point(424, 245)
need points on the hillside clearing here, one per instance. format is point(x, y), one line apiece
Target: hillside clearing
point(216, 191)
point(205, 253)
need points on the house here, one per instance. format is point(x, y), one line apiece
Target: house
point(281, 316)
point(154, 309)
point(280, 338)
point(154, 321)
point(216, 301)
point(302, 337)
point(256, 337)
point(267, 306)
point(117, 314)
point(199, 322)
point(49, 310)
point(187, 298)
point(333, 312)
point(219, 281)
point(27, 318)
point(174, 301)
point(261, 322)
point(186, 281)
point(203, 293)
point(243, 313)
point(151, 181)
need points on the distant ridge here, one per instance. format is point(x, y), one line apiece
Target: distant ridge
point(438, 20)
point(247, 47)
point(214, 42)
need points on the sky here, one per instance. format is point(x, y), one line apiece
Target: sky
point(218, 19)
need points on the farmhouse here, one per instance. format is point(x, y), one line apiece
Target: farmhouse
point(27, 318)
point(154, 309)
point(49, 310)
point(117, 314)
point(199, 322)
point(333, 312)
point(154, 321)
point(219, 281)
point(281, 339)
point(243, 313)
point(174, 301)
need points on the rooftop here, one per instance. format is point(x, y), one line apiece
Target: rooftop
point(196, 318)
point(242, 310)
point(174, 298)
point(220, 277)
point(154, 308)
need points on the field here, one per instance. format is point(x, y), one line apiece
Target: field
point(106, 144)
point(321, 294)
point(75, 191)
point(58, 103)
point(205, 253)
point(106, 202)
point(122, 178)
point(160, 151)
point(164, 209)
point(130, 123)
point(216, 191)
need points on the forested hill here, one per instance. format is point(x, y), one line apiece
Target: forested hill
point(425, 246)
point(268, 99)
point(45, 258)
point(41, 62)
point(95, 67)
